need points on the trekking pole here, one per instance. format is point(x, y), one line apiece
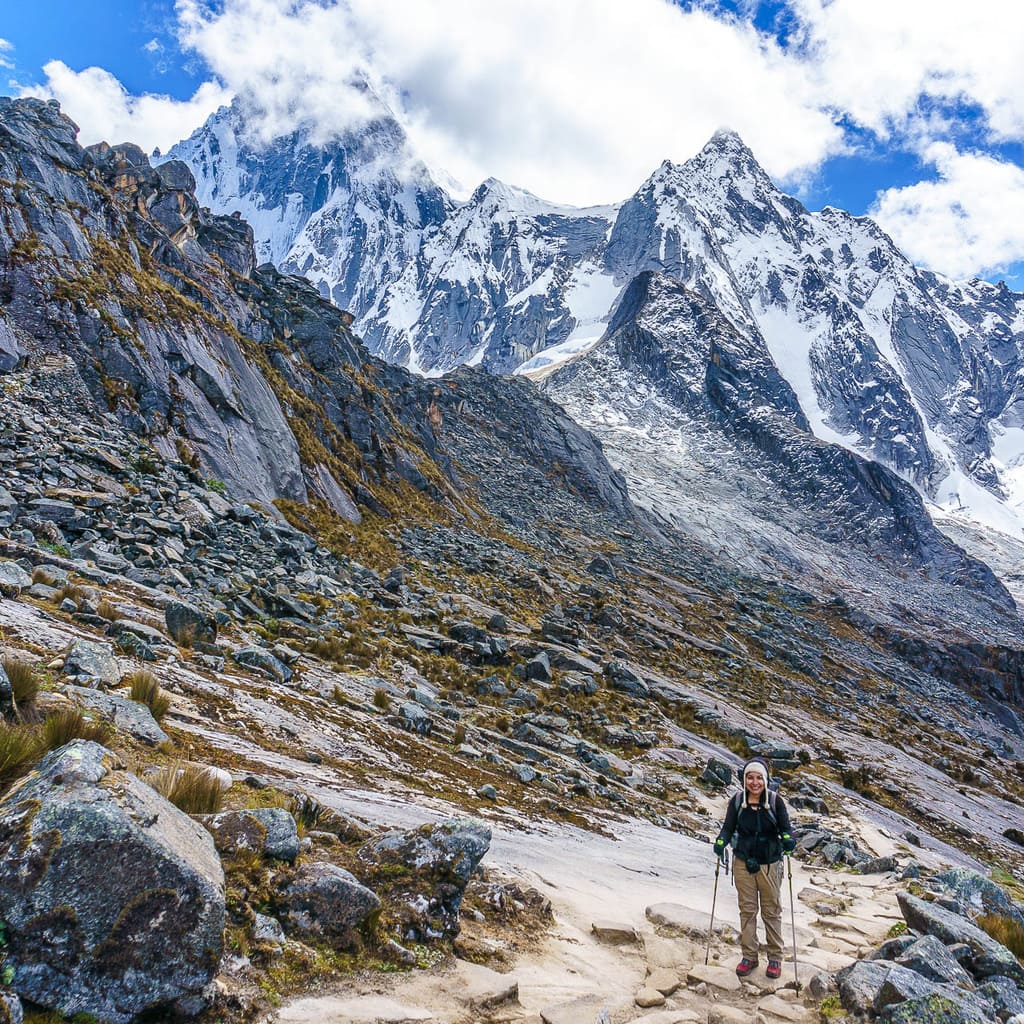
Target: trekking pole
point(792, 918)
point(714, 898)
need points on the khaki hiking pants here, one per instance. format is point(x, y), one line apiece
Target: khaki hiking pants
point(762, 889)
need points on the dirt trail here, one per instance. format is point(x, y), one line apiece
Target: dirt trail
point(648, 892)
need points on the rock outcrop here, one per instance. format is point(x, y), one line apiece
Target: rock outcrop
point(113, 899)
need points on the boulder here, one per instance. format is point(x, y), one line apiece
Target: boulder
point(187, 624)
point(113, 898)
point(1006, 998)
point(326, 901)
point(434, 863)
point(6, 695)
point(13, 579)
point(860, 983)
point(931, 959)
point(127, 715)
point(975, 894)
point(937, 1008)
point(262, 661)
point(93, 661)
point(990, 957)
point(901, 984)
point(269, 831)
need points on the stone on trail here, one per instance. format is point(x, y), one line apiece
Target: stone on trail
point(694, 923)
point(723, 978)
point(661, 952)
point(370, 1009)
point(663, 980)
point(776, 1007)
point(614, 931)
point(728, 1015)
point(584, 1010)
point(686, 1016)
point(112, 897)
point(481, 988)
point(648, 996)
point(991, 958)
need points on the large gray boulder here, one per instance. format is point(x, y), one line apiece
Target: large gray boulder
point(325, 901)
point(990, 958)
point(426, 871)
point(112, 897)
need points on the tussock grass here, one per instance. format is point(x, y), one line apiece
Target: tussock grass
point(24, 685)
point(40, 575)
point(1005, 930)
point(381, 699)
point(145, 689)
point(19, 751)
point(71, 724)
point(191, 788)
point(69, 592)
point(108, 610)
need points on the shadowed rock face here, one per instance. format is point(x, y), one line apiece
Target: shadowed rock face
point(250, 373)
point(112, 897)
point(666, 337)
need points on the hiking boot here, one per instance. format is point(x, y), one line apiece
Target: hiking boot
point(774, 969)
point(745, 966)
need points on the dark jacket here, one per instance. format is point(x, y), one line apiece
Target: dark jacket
point(758, 836)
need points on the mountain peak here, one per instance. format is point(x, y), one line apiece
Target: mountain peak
point(727, 144)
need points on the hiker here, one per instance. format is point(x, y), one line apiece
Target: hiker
point(760, 822)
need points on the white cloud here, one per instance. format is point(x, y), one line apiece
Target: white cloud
point(578, 100)
point(968, 222)
point(153, 46)
point(878, 60)
point(105, 111)
point(5, 46)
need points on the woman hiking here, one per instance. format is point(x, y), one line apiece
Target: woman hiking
point(760, 822)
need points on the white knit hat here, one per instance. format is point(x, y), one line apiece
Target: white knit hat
point(757, 766)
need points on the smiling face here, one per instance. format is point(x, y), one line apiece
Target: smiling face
point(754, 781)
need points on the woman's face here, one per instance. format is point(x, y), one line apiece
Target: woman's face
point(754, 783)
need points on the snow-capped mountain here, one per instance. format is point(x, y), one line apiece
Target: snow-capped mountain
point(898, 364)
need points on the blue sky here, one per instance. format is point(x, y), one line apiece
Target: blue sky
point(909, 110)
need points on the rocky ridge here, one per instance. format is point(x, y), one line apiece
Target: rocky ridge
point(896, 363)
